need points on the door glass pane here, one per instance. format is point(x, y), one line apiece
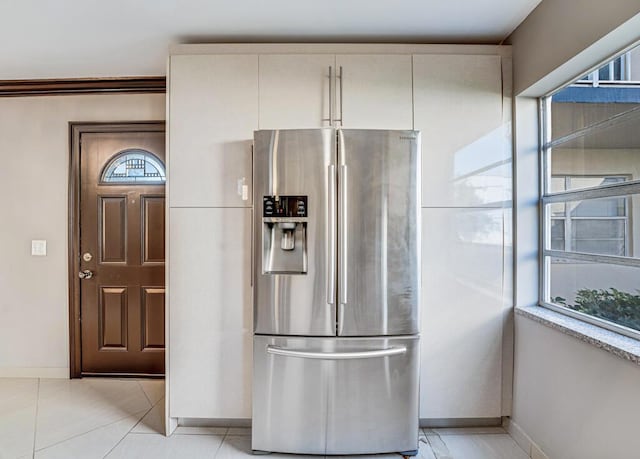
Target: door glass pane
point(134, 166)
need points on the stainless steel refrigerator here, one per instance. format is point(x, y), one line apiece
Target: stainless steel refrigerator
point(336, 291)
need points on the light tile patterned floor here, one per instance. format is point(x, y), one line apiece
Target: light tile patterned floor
point(98, 418)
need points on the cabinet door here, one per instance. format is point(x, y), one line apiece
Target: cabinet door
point(294, 90)
point(462, 313)
point(466, 146)
point(210, 315)
point(213, 111)
point(376, 91)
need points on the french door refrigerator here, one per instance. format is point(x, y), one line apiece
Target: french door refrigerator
point(336, 291)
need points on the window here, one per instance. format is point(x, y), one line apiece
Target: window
point(591, 192)
point(134, 167)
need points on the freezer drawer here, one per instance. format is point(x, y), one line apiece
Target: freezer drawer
point(335, 395)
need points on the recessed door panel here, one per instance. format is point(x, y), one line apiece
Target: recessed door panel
point(378, 204)
point(113, 318)
point(153, 229)
point(152, 318)
point(113, 222)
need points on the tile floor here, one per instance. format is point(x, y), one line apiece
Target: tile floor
point(124, 418)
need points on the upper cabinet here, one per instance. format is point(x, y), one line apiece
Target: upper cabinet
point(296, 90)
point(374, 91)
point(466, 143)
point(366, 91)
point(213, 111)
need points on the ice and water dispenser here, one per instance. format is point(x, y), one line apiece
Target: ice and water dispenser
point(284, 234)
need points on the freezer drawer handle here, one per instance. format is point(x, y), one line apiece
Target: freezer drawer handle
point(337, 355)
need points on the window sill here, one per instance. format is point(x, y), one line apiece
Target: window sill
point(612, 342)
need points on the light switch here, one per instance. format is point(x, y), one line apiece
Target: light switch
point(39, 248)
point(243, 189)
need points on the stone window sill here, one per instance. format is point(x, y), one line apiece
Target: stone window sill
point(615, 343)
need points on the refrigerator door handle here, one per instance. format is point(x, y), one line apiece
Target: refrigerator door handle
point(340, 77)
point(330, 119)
point(331, 236)
point(388, 352)
point(342, 286)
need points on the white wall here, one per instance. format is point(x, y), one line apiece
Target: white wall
point(34, 152)
point(574, 400)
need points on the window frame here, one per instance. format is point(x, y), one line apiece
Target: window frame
point(546, 197)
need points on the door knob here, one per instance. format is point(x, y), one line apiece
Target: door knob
point(86, 274)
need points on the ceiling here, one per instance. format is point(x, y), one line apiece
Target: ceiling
point(98, 38)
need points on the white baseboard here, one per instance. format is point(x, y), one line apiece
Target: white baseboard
point(523, 440)
point(34, 372)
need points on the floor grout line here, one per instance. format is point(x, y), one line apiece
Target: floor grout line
point(221, 443)
point(144, 393)
point(127, 433)
point(35, 421)
point(92, 430)
point(105, 425)
point(437, 445)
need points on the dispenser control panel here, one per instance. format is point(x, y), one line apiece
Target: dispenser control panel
point(284, 206)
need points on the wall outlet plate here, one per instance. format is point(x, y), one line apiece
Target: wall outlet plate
point(39, 248)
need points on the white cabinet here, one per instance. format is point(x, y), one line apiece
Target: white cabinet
point(210, 318)
point(466, 149)
point(462, 313)
point(376, 91)
point(294, 90)
point(213, 111)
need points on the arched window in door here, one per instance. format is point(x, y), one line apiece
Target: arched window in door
point(134, 166)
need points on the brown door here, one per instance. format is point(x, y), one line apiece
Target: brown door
point(122, 233)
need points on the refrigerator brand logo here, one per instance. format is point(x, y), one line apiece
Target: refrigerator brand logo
point(407, 137)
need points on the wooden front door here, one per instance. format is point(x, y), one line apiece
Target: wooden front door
point(121, 252)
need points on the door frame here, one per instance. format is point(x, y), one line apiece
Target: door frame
point(76, 129)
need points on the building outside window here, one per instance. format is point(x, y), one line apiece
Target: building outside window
point(591, 193)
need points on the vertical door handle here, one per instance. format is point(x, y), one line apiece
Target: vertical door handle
point(330, 119)
point(341, 78)
point(331, 236)
point(344, 233)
